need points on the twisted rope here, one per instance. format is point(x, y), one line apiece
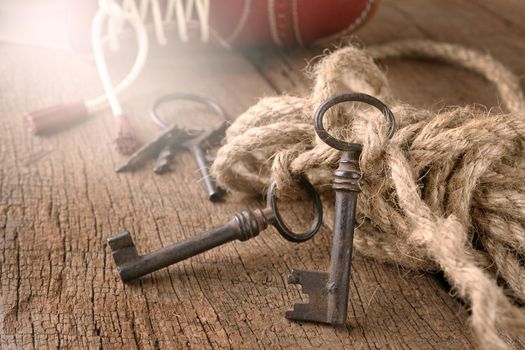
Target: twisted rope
point(447, 192)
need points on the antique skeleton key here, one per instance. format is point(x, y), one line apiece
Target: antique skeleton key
point(242, 226)
point(203, 136)
point(166, 154)
point(328, 292)
point(163, 162)
point(170, 135)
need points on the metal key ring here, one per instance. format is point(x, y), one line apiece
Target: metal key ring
point(188, 97)
point(352, 97)
point(279, 223)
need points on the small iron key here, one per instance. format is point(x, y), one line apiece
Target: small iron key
point(172, 135)
point(195, 147)
point(328, 292)
point(243, 226)
point(166, 154)
point(197, 144)
point(163, 162)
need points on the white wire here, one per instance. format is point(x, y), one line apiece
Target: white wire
point(105, 12)
point(203, 13)
point(181, 20)
point(116, 15)
point(157, 22)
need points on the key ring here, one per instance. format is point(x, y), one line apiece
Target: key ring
point(351, 97)
point(279, 222)
point(188, 97)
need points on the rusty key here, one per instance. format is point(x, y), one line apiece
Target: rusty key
point(242, 226)
point(328, 292)
point(196, 145)
point(166, 154)
point(171, 134)
point(162, 164)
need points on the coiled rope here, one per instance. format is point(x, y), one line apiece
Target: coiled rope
point(447, 192)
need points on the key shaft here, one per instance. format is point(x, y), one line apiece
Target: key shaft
point(243, 226)
point(346, 189)
point(213, 192)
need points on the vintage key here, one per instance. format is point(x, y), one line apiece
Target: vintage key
point(242, 226)
point(196, 145)
point(166, 154)
point(172, 134)
point(328, 292)
point(163, 162)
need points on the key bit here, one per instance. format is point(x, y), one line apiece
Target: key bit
point(328, 292)
point(243, 226)
point(313, 283)
point(163, 162)
point(173, 133)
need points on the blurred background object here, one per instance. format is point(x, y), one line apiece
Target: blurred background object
point(226, 22)
point(66, 24)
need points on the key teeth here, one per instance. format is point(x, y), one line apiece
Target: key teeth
point(294, 277)
point(305, 312)
point(122, 240)
point(122, 247)
point(313, 284)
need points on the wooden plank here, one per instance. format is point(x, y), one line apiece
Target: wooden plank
point(60, 200)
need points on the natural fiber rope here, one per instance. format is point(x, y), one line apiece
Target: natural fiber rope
point(447, 192)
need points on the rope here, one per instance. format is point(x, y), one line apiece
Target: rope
point(445, 193)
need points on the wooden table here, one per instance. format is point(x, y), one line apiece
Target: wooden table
point(60, 199)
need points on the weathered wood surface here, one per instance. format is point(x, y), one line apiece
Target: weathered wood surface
point(60, 200)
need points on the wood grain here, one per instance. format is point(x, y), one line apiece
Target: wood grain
point(60, 200)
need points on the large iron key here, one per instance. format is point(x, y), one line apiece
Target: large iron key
point(328, 292)
point(242, 226)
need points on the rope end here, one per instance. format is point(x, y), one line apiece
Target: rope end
point(124, 138)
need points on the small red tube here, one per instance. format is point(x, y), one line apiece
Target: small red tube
point(51, 119)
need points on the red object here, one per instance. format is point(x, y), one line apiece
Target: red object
point(54, 118)
point(253, 22)
point(281, 22)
